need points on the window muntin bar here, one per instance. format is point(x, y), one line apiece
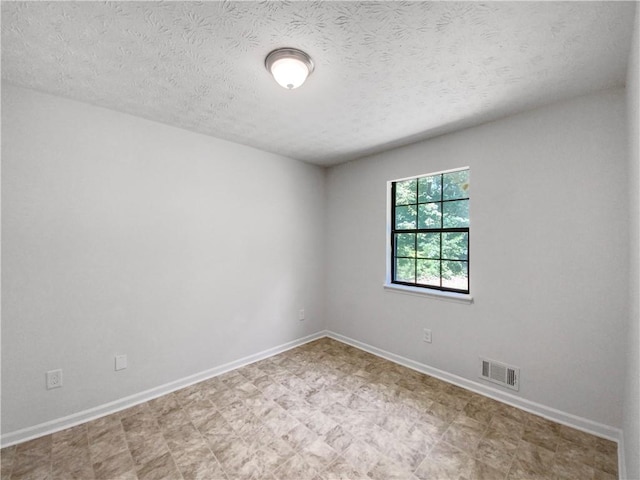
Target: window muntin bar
point(430, 231)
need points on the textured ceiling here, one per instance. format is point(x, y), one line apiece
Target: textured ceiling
point(387, 73)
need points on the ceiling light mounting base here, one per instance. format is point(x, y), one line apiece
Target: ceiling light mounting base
point(290, 67)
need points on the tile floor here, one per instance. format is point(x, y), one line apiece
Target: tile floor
point(321, 411)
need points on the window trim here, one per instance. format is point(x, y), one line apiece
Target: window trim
point(428, 292)
point(425, 291)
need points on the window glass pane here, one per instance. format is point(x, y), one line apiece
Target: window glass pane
point(406, 217)
point(405, 245)
point(429, 272)
point(455, 214)
point(432, 258)
point(429, 215)
point(405, 270)
point(455, 275)
point(429, 189)
point(429, 245)
point(455, 185)
point(406, 192)
point(455, 246)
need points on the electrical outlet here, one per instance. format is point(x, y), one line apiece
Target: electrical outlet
point(426, 335)
point(121, 362)
point(301, 314)
point(54, 379)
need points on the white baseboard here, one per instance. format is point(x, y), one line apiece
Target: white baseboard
point(622, 466)
point(579, 423)
point(570, 420)
point(558, 416)
point(63, 423)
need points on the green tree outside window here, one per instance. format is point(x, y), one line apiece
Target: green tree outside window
point(430, 231)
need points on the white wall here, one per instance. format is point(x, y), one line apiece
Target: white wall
point(632, 386)
point(549, 243)
point(121, 235)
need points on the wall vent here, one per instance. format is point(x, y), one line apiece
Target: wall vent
point(500, 373)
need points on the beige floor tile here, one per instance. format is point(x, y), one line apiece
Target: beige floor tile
point(396, 423)
point(250, 426)
point(450, 464)
point(574, 452)
point(223, 398)
point(533, 459)
point(404, 455)
point(235, 414)
point(453, 400)
point(338, 438)
point(323, 411)
point(266, 441)
point(147, 448)
point(164, 405)
point(497, 453)
point(202, 469)
point(269, 460)
point(108, 443)
point(481, 408)
point(69, 439)
point(35, 472)
point(420, 437)
point(299, 437)
point(387, 469)
point(182, 438)
point(214, 423)
point(477, 470)
point(32, 470)
point(199, 411)
point(443, 412)
point(542, 434)
point(340, 469)
point(576, 436)
point(159, 468)
point(33, 459)
point(120, 464)
point(464, 433)
point(359, 427)
point(352, 382)
point(250, 372)
point(7, 456)
point(39, 446)
point(606, 462)
point(296, 467)
point(73, 463)
point(318, 455)
point(280, 422)
point(603, 445)
point(502, 427)
point(97, 427)
point(566, 469)
point(337, 412)
point(318, 422)
point(599, 475)
point(361, 455)
point(246, 390)
point(233, 454)
point(512, 413)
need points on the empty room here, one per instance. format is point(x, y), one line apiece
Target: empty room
point(320, 240)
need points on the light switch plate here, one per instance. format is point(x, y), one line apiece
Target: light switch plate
point(121, 362)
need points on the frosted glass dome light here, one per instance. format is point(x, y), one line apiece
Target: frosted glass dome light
point(289, 67)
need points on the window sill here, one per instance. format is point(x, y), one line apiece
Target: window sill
point(423, 292)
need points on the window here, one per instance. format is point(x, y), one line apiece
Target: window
point(430, 231)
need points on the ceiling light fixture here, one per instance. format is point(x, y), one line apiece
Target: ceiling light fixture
point(290, 67)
